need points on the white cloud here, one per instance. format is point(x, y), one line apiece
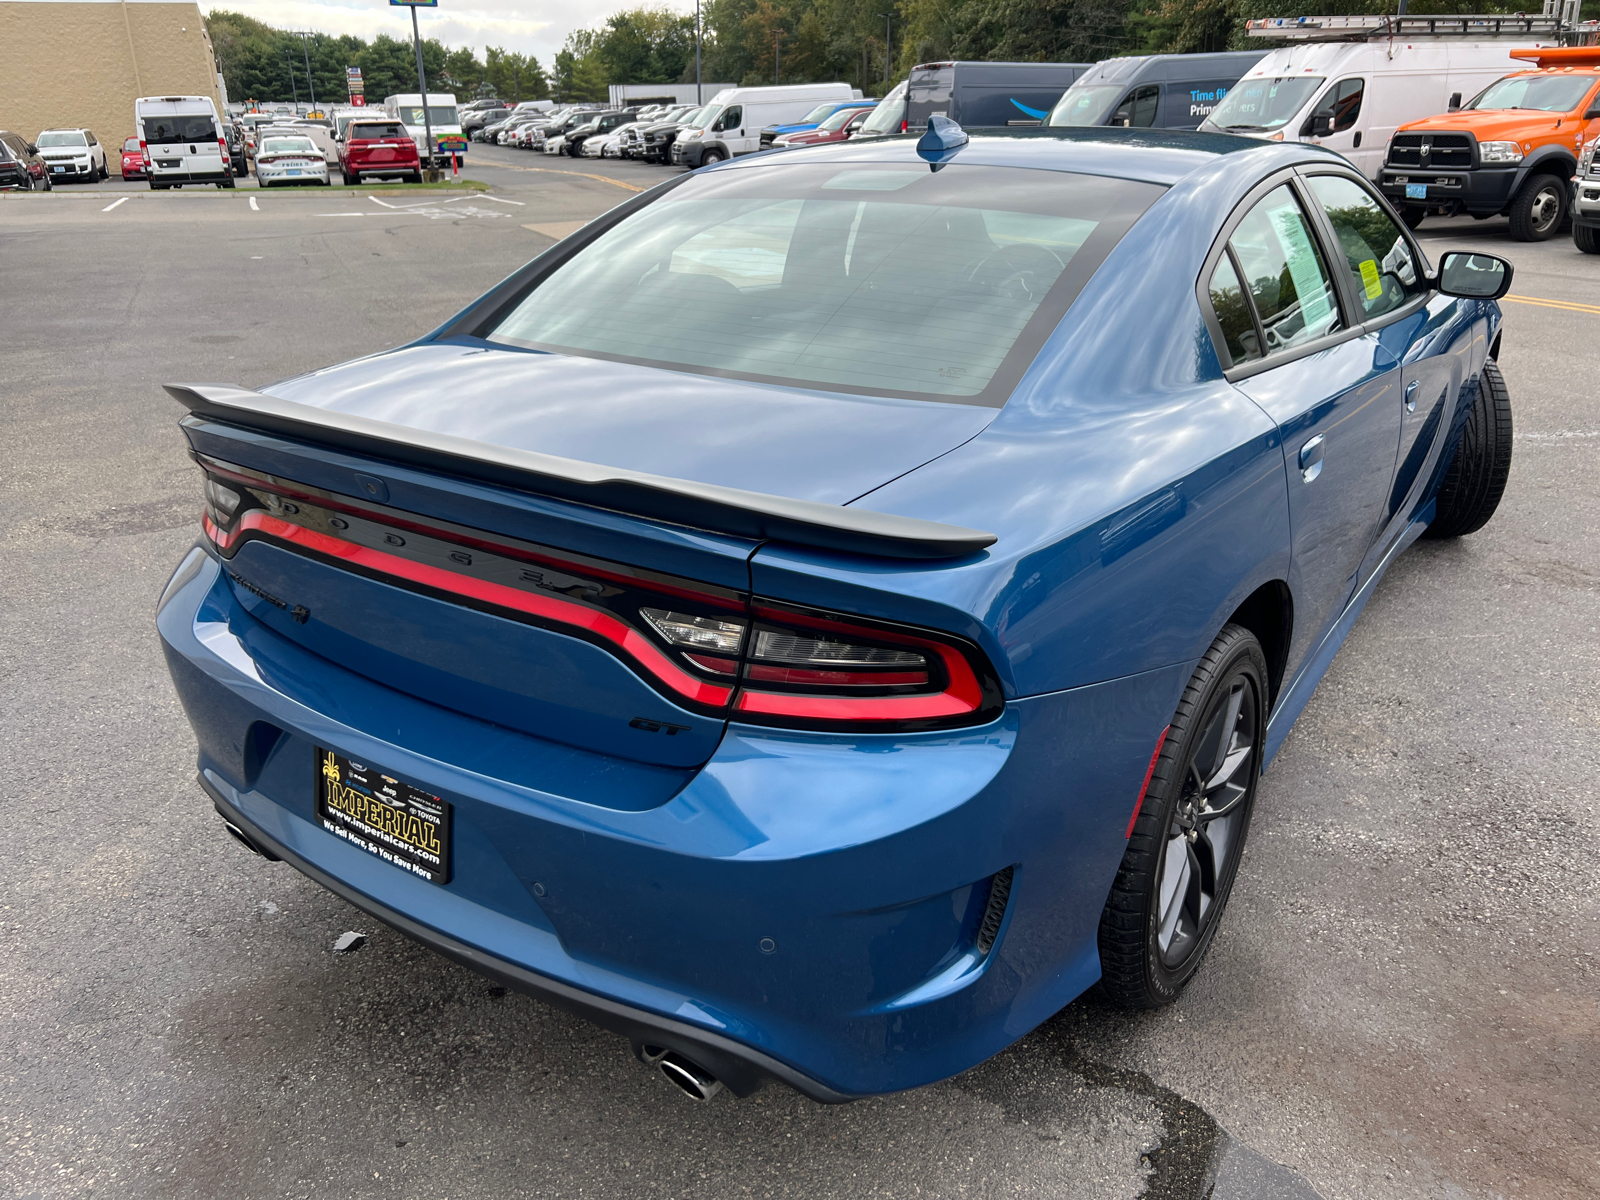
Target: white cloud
point(538, 29)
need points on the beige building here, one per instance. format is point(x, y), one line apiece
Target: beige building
point(83, 62)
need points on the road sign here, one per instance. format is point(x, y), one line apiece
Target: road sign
point(451, 143)
point(414, 3)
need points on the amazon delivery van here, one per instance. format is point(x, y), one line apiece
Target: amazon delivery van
point(976, 95)
point(1370, 76)
point(1152, 91)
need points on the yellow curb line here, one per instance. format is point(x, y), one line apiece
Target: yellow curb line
point(1568, 305)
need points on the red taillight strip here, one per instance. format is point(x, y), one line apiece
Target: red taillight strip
point(550, 608)
point(464, 539)
point(961, 696)
point(1144, 787)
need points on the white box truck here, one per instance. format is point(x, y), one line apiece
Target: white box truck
point(732, 122)
point(1348, 82)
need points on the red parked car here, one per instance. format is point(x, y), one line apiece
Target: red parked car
point(840, 127)
point(378, 147)
point(134, 164)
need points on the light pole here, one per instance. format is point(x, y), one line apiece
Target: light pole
point(888, 19)
point(294, 91)
point(310, 83)
point(777, 55)
point(698, 98)
point(422, 82)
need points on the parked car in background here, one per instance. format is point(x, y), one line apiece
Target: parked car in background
point(812, 119)
point(731, 124)
point(184, 139)
point(290, 158)
point(1586, 201)
point(888, 118)
point(931, 685)
point(1512, 150)
point(654, 139)
point(134, 163)
point(71, 155)
point(632, 142)
point(840, 127)
point(600, 123)
point(988, 94)
point(21, 168)
point(238, 152)
point(475, 119)
point(1348, 83)
point(1152, 91)
point(378, 147)
point(321, 133)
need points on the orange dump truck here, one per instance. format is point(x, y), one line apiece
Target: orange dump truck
point(1513, 149)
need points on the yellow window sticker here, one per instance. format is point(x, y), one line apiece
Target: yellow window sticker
point(1369, 277)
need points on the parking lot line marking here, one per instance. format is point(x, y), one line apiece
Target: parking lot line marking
point(113, 204)
point(580, 174)
point(496, 199)
point(254, 207)
point(1566, 304)
point(343, 214)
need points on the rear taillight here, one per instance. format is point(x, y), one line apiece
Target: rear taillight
point(707, 648)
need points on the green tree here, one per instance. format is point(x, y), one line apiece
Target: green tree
point(515, 77)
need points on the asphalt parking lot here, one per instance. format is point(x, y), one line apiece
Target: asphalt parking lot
point(1402, 1001)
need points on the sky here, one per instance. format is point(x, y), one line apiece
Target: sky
point(537, 27)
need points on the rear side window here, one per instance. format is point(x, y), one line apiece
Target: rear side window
point(1284, 274)
point(162, 131)
point(883, 280)
point(1381, 262)
point(1233, 313)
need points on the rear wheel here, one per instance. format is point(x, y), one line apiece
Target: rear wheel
point(414, 177)
point(1586, 238)
point(1476, 479)
point(1537, 209)
point(227, 183)
point(1183, 854)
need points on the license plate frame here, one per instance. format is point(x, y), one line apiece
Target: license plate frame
point(1416, 191)
point(393, 820)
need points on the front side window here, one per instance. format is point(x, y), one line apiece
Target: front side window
point(167, 131)
point(64, 137)
point(1341, 104)
point(1543, 93)
point(1381, 262)
point(1263, 105)
point(1138, 111)
point(1284, 273)
point(887, 280)
point(731, 118)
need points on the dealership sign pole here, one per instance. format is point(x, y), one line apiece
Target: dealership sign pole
point(422, 78)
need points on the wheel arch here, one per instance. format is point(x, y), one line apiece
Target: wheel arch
point(1268, 613)
point(1555, 160)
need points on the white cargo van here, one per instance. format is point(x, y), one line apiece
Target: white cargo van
point(183, 141)
point(1348, 82)
point(732, 123)
point(443, 117)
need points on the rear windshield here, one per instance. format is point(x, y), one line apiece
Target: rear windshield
point(370, 130)
point(195, 127)
point(289, 145)
point(69, 137)
point(1543, 93)
point(882, 280)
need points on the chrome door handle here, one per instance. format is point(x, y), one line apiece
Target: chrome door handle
point(1311, 459)
point(1411, 396)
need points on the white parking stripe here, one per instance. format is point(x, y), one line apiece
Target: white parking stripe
point(343, 214)
point(375, 200)
point(497, 200)
point(113, 204)
point(254, 207)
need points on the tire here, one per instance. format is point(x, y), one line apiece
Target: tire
point(1150, 952)
point(105, 173)
point(414, 177)
point(1413, 215)
point(227, 184)
point(1538, 209)
point(712, 156)
point(1476, 478)
point(1586, 238)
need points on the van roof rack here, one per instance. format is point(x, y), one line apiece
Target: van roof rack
point(1558, 22)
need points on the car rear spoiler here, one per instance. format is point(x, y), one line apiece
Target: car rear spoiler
point(679, 501)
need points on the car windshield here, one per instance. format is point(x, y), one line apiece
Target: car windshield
point(288, 145)
point(368, 130)
point(1547, 93)
point(160, 131)
point(837, 121)
point(65, 137)
point(817, 113)
point(707, 115)
point(886, 279)
point(438, 114)
point(1262, 105)
point(1086, 105)
point(890, 112)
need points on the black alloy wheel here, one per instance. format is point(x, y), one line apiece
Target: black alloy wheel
point(1184, 852)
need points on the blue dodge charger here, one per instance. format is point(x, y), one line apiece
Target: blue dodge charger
point(835, 608)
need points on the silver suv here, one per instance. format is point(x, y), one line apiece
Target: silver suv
point(1586, 201)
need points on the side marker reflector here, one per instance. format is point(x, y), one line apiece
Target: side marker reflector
point(1144, 787)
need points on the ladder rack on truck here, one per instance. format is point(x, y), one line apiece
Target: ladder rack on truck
point(1559, 22)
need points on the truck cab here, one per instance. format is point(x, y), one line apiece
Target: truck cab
point(1511, 150)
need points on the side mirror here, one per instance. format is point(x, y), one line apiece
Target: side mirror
point(1593, 114)
point(32, 149)
point(1322, 125)
point(1455, 101)
point(1474, 276)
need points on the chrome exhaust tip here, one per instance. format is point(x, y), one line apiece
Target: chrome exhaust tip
point(696, 1083)
point(243, 839)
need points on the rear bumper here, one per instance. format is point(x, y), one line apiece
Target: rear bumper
point(1481, 192)
point(803, 907)
point(158, 175)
